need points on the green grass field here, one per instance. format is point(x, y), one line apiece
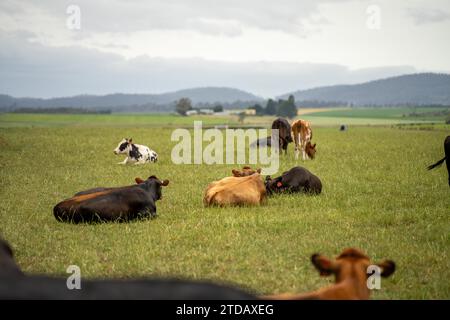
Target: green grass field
point(377, 196)
point(394, 113)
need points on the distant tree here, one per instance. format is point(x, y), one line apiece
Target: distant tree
point(271, 108)
point(287, 108)
point(183, 105)
point(259, 110)
point(218, 108)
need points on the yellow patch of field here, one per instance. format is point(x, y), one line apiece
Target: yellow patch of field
point(302, 111)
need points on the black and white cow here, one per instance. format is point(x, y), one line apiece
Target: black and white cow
point(136, 153)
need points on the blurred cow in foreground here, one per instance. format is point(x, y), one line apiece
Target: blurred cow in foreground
point(446, 158)
point(350, 270)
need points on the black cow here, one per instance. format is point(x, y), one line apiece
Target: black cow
point(284, 130)
point(8, 266)
point(112, 204)
point(446, 158)
point(297, 179)
point(15, 285)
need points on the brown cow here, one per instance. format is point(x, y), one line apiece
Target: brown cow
point(244, 188)
point(350, 271)
point(246, 171)
point(302, 133)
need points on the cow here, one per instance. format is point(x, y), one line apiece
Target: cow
point(446, 158)
point(297, 179)
point(351, 271)
point(112, 204)
point(302, 133)
point(16, 285)
point(239, 190)
point(8, 266)
point(284, 132)
point(136, 153)
point(246, 171)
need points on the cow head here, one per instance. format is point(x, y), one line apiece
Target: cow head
point(310, 150)
point(274, 185)
point(154, 183)
point(7, 264)
point(123, 146)
point(246, 171)
point(153, 156)
point(351, 263)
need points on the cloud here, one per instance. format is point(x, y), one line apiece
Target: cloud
point(423, 16)
point(31, 69)
point(203, 16)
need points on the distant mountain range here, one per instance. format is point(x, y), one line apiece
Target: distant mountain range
point(415, 89)
point(137, 102)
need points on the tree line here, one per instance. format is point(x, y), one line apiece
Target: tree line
point(281, 108)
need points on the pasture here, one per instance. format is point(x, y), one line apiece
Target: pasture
point(377, 196)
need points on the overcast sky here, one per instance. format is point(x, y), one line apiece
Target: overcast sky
point(267, 48)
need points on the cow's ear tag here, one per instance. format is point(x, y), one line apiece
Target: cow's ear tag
point(279, 184)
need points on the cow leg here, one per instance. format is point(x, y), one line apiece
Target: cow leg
point(124, 161)
point(298, 142)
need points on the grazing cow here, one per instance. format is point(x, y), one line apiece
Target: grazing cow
point(446, 158)
point(15, 285)
point(136, 153)
point(241, 189)
point(284, 132)
point(263, 142)
point(351, 272)
point(302, 132)
point(297, 179)
point(112, 204)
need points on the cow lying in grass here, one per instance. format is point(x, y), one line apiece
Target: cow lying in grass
point(112, 204)
point(15, 285)
point(350, 271)
point(243, 188)
point(136, 153)
point(297, 179)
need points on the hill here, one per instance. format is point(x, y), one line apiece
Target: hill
point(134, 102)
point(413, 89)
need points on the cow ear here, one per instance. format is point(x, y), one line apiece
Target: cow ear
point(130, 140)
point(314, 146)
point(268, 178)
point(236, 173)
point(258, 170)
point(387, 268)
point(164, 182)
point(139, 180)
point(325, 266)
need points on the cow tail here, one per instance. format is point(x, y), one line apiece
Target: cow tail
point(437, 164)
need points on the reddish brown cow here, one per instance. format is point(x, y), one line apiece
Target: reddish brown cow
point(244, 188)
point(350, 271)
point(302, 133)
